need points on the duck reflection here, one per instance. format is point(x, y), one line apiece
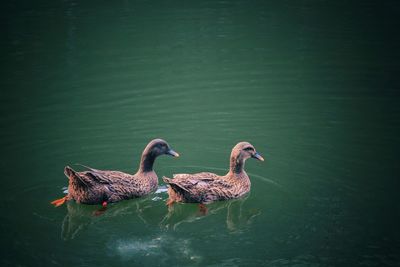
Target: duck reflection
point(237, 217)
point(80, 216)
point(153, 213)
point(76, 219)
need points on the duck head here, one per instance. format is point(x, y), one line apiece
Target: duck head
point(240, 153)
point(158, 147)
point(155, 148)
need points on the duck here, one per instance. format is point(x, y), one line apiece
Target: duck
point(207, 187)
point(102, 186)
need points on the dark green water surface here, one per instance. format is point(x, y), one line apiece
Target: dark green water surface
point(313, 85)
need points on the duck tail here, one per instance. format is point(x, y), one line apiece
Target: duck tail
point(171, 200)
point(167, 180)
point(78, 180)
point(68, 171)
point(173, 185)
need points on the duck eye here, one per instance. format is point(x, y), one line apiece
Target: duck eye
point(248, 149)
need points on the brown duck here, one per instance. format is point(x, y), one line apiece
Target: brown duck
point(206, 187)
point(102, 187)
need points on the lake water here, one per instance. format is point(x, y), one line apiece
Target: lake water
point(312, 85)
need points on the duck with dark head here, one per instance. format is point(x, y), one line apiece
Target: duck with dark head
point(206, 187)
point(101, 187)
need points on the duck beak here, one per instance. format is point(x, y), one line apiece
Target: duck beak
point(172, 153)
point(258, 156)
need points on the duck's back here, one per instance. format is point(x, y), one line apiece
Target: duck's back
point(195, 176)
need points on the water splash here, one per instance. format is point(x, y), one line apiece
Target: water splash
point(155, 249)
point(161, 189)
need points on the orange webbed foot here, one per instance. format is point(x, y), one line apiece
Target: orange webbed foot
point(59, 202)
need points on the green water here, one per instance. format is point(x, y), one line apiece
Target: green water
point(312, 85)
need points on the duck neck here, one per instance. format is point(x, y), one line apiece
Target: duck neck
point(147, 161)
point(236, 166)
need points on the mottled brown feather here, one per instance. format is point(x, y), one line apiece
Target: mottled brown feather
point(206, 187)
point(97, 186)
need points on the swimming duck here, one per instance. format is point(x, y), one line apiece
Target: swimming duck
point(206, 187)
point(101, 187)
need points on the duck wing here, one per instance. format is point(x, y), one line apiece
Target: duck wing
point(185, 181)
point(200, 176)
point(105, 177)
point(94, 177)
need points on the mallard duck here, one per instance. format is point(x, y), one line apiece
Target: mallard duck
point(101, 187)
point(206, 187)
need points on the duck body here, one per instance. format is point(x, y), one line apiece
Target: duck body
point(101, 187)
point(98, 186)
point(206, 187)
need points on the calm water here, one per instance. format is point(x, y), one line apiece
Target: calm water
point(311, 85)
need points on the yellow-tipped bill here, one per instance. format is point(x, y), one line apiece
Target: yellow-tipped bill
point(258, 156)
point(172, 153)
